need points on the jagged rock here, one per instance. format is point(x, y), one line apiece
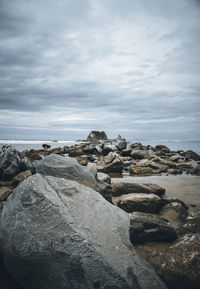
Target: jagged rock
point(147, 203)
point(111, 163)
point(12, 162)
point(124, 187)
point(190, 155)
point(69, 168)
point(134, 170)
point(104, 178)
point(97, 135)
point(150, 227)
point(59, 234)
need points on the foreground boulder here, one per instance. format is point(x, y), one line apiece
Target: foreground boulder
point(12, 162)
point(69, 168)
point(97, 135)
point(149, 227)
point(56, 233)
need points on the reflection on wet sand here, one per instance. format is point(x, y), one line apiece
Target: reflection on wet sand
point(183, 187)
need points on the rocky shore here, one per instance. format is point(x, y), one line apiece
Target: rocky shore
point(66, 223)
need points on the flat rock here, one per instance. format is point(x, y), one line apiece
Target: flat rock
point(147, 203)
point(57, 233)
point(150, 227)
point(125, 187)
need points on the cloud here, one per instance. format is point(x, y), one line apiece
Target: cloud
point(127, 67)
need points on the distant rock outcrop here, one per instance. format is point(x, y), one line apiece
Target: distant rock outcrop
point(97, 135)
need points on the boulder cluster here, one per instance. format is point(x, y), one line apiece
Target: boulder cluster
point(65, 223)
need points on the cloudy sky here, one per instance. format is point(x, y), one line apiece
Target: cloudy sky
point(129, 67)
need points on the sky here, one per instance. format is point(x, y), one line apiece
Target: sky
point(128, 67)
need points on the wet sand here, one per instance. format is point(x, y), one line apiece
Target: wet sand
point(183, 187)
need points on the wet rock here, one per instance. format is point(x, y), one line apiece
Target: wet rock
point(134, 170)
point(69, 168)
point(97, 135)
point(125, 187)
point(190, 155)
point(150, 227)
point(65, 235)
point(191, 224)
point(147, 203)
point(12, 162)
point(175, 212)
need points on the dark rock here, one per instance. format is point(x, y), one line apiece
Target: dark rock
point(107, 148)
point(121, 145)
point(190, 155)
point(138, 155)
point(75, 151)
point(183, 167)
point(33, 155)
point(195, 171)
point(12, 162)
point(126, 152)
point(69, 168)
point(147, 203)
point(59, 234)
point(136, 146)
point(97, 135)
point(125, 187)
point(150, 227)
point(162, 148)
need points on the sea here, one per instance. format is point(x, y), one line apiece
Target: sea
point(175, 145)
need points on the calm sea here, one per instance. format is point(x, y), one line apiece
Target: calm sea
point(37, 144)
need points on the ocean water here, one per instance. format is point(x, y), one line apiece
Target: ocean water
point(37, 144)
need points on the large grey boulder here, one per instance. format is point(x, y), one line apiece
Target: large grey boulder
point(12, 162)
point(97, 135)
point(57, 233)
point(69, 168)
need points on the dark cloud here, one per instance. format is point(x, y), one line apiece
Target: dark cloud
point(128, 67)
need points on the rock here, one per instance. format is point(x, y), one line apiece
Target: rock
point(119, 138)
point(97, 135)
point(20, 177)
point(125, 187)
point(175, 212)
point(147, 203)
point(126, 152)
point(75, 151)
point(178, 264)
point(107, 148)
point(121, 145)
point(110, 164)
point(33, 155)
point(104, 178)
point(150, 227)
point(196, 171)
point(69, 168)
point(138, 155)
point(176, 158)
point(190, 155)
point(98, 149)
point(136, 146)
point(5, 193)
point(191, 224)
point(183, 167)
point(134, 170)
point(162, 148)
point(173, 171)
point(57, 233)
point(12, 162)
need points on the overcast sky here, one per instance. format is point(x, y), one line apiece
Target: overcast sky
point(129, 67)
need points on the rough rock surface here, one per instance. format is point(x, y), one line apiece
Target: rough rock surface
point(104, 178)
point(69, 168)
point(56, 233)
point(150, 227)
point(147, 203)
point(124, 187)
point(12, 162)
point(97, 135)
point(178, 264)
